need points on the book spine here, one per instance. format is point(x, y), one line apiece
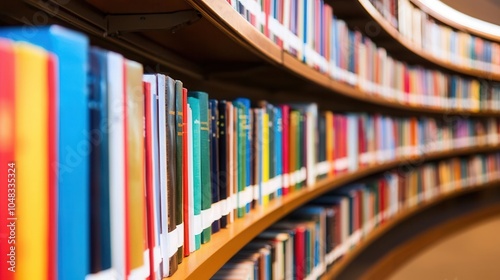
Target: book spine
point(171, 171)
point(214, 163)
point(179, 168)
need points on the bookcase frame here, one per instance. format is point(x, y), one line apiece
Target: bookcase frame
point(260, 57)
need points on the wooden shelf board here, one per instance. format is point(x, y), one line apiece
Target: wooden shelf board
point(229, 241)
point(391, 261)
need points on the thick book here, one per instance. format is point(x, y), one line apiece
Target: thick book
point(214, 163)
point(117, 161)
point(171, 152)
point(71, 49)
point(100, 231)
point(7, 151)
point(206, 191)
point(194, 132)
point(32, 153)
point(179, 183)
point(152, 174)
point(135, 210)
point(189, 194)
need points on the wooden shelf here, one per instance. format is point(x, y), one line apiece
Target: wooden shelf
point(362, 15)
point(221, 53)
point(229, 241)
point(414, 229)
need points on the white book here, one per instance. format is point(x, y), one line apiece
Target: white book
point(162, 141)
point(192, 232)
point(116, 108)
point(157, 258)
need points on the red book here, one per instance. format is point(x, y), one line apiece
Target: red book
point(285, 113)
point(7, 153)
point(361, 140)
point(149, 178)
point(52, 160)
point(300, 252)
point(267, 10)
point(185, 174)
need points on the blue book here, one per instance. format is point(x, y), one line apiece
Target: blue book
point(278, 130)
point(72, 166)
point(248, 144)
point(100, 231)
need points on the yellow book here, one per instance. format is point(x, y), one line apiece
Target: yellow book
point(31, 120)
point(265, 155)
point(135, 167)
point(330, 141)
point(474, 95)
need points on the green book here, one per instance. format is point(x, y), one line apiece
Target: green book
point(241, 147)
point(206, 186)
point(179, 128)
point(194, 104)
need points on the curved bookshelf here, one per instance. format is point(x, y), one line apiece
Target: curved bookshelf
point(468, 24)
point(230, 45)
point(369, 20)
point(228, 242)
point(444, 214)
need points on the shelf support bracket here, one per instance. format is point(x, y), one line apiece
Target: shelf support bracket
point(173, 21)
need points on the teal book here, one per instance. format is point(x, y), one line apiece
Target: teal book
point(72, 165)
point(241, 152)
point(206, 186)
point(194, 103)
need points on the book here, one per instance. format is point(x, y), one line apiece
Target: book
point(187, 206)
point(7, 151)
point(100, 231)
point(223, 155)
point(152, 175)
point(214, 164)
point(72, 165)
point(179, 161)
point(165, 244)
point(137, 257)
point(31, 142)
point(206, 192)
point(171, 170)
point(194, 104)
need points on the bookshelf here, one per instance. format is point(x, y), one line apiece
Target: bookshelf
point(236, 57)
point(416, 229)
point(214, 254)
point(363, 15)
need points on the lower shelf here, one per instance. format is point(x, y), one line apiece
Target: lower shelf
point(412, 230)
point(227, 242)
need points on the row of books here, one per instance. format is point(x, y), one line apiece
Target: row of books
point(309, 30)
point(121, 175)
point(308, 241)
point(389, 9)
point(444, 42)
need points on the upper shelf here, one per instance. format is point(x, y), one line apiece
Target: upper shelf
point(458, 20)
point(363, 16)
point(228, 242)
point(220, 53)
